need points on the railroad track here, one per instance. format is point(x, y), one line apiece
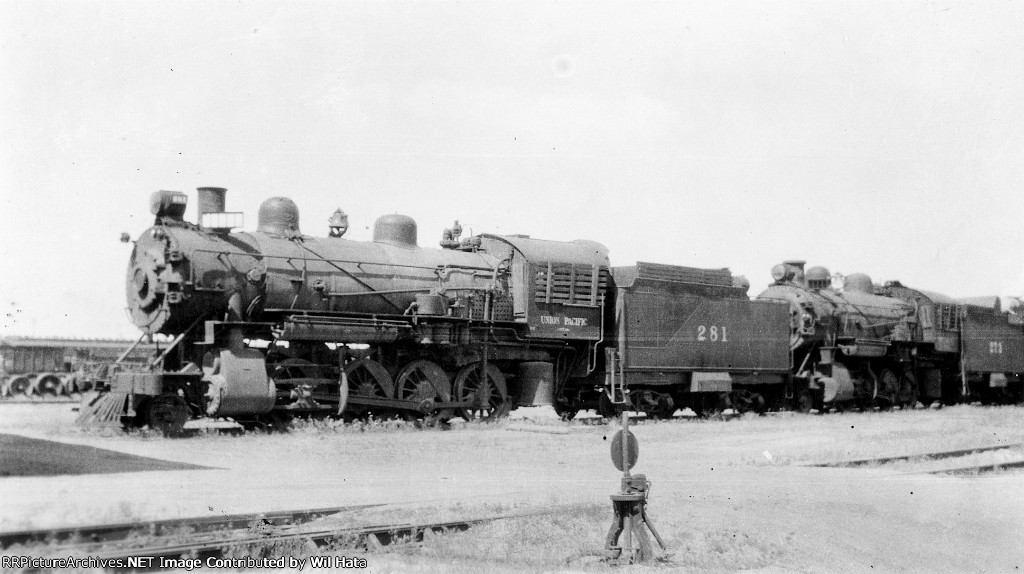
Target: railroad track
point(363, 537)
point(218, 541)
point(106, 533)
point(39, 400)
point(957, 461)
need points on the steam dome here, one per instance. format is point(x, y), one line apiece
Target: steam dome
point(279, 216)
point(395, 229)
point(858, 283)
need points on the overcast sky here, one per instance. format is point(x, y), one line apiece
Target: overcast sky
point(883, 138)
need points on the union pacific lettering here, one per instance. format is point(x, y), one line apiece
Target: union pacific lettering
point(567, 321)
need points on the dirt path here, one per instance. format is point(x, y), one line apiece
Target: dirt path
point(734, 487)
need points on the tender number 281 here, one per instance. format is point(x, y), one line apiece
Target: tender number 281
point(713, 333)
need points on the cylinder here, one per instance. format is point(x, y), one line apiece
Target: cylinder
point(536, 384)
point(211, 200)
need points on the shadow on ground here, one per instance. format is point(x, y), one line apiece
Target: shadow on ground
point(23, 456)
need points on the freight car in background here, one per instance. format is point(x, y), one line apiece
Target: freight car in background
point(867, 345)
point(41, 367)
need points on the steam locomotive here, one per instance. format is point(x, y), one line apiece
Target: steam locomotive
point(891, 345)
point(275, 323)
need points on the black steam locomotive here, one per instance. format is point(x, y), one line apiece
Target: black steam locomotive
point(277, 323)
point(891, 345)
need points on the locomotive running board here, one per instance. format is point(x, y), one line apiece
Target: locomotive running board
point(210, 329)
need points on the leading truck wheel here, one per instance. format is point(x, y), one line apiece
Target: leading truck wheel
point(167, 414)
point(487, 394)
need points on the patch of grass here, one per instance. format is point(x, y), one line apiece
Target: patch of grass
point(337, 426)
point(373, 424)
point(726, 549)
point(574, 539)
point(545, 541)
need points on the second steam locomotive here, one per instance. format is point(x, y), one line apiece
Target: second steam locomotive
point(277, 322)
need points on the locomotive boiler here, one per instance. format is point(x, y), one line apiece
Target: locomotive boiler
point(890, 345)
point(276, 321)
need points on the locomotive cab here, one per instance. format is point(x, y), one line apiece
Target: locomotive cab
point(558, 288)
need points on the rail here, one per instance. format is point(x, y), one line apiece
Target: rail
point(119, 531)
point(261, 531)
point(936, 455)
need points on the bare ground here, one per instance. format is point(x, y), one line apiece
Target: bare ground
point(727, 495)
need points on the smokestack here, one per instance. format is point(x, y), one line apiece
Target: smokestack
point(211, 200)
